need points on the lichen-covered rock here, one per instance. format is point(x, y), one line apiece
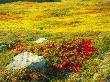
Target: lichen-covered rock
point(27, 59)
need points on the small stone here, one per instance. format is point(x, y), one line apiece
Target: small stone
point(40, 40)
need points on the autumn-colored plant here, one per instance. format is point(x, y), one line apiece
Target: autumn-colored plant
point(18, 48)
point(35, 76)
point(69, 55)
point(24, 47)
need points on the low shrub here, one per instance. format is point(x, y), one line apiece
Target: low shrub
point(69, 55)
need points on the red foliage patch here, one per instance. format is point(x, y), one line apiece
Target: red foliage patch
point(69, 56)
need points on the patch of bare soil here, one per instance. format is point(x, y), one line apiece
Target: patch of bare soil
point(107, 3)
point(95, 11)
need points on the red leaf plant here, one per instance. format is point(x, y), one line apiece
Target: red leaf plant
point(69, 55)
point(18, 48)
point(24, 47)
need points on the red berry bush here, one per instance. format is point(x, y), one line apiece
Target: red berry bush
point(68, 55)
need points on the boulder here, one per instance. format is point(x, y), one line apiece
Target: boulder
point(27, 59)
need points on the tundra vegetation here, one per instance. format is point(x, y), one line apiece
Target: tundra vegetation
point(76, 46)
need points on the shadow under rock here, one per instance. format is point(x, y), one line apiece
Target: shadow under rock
point(49, 72)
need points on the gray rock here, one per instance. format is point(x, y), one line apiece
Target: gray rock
point(27, 59)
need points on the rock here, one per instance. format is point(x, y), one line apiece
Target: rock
point(40, 40)
point(27, 59)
